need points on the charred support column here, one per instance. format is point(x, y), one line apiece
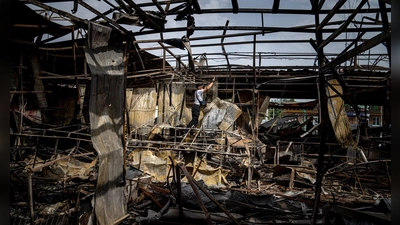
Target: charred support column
point(38, 87)
point(324, 116)
point(104, 54)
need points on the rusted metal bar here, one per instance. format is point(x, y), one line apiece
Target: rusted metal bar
point(323, 108)
point(388, 173)
point(74, 54)
point(225, 43)
point(159, 7)
point(283, 11)
point(40, 26)
point(59, 12)
point(291, 180)
point(354, 42)
point(338, 31)
point(195, 190)
point(235, 6)
point(144, 16)
point(29, 92)
point(116, 25)
point(32, 170)
point(223, 47)
point(261, 29)
point(30, 196)
point(386, 27)
point(171, 53)
point(151, 197)
point(124, 7)
point(331, 14)
point(254, 85)
point(19, 123)
point(50, 136)
point(178, 187)
point(358, 180)
point(275, 6)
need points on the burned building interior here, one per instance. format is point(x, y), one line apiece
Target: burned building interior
point(101, 92)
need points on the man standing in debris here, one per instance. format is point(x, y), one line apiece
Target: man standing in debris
point(198, 101)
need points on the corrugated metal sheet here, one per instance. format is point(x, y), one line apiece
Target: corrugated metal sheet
point(337, 115)
point(232, 112)
point(104, 55)
point(141, 105)
point(170, 103)
point(156, 164)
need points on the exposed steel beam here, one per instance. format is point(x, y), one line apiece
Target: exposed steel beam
point(343, 27)
point(329, 16)
point(378, 39)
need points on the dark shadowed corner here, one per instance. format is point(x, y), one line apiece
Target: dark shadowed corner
point(4, 132)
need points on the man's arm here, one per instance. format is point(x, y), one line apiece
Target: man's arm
point(209, 85)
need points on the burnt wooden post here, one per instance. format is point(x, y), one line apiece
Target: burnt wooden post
point(104, 54)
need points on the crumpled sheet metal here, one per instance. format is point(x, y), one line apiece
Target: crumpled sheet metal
point(68, 167)
point(51, 209)
point(213, 118)
point(141, 105)
point(132, 187)
point(232, 112)
point(337, 115)
point(211, 176)
point(156, 164)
